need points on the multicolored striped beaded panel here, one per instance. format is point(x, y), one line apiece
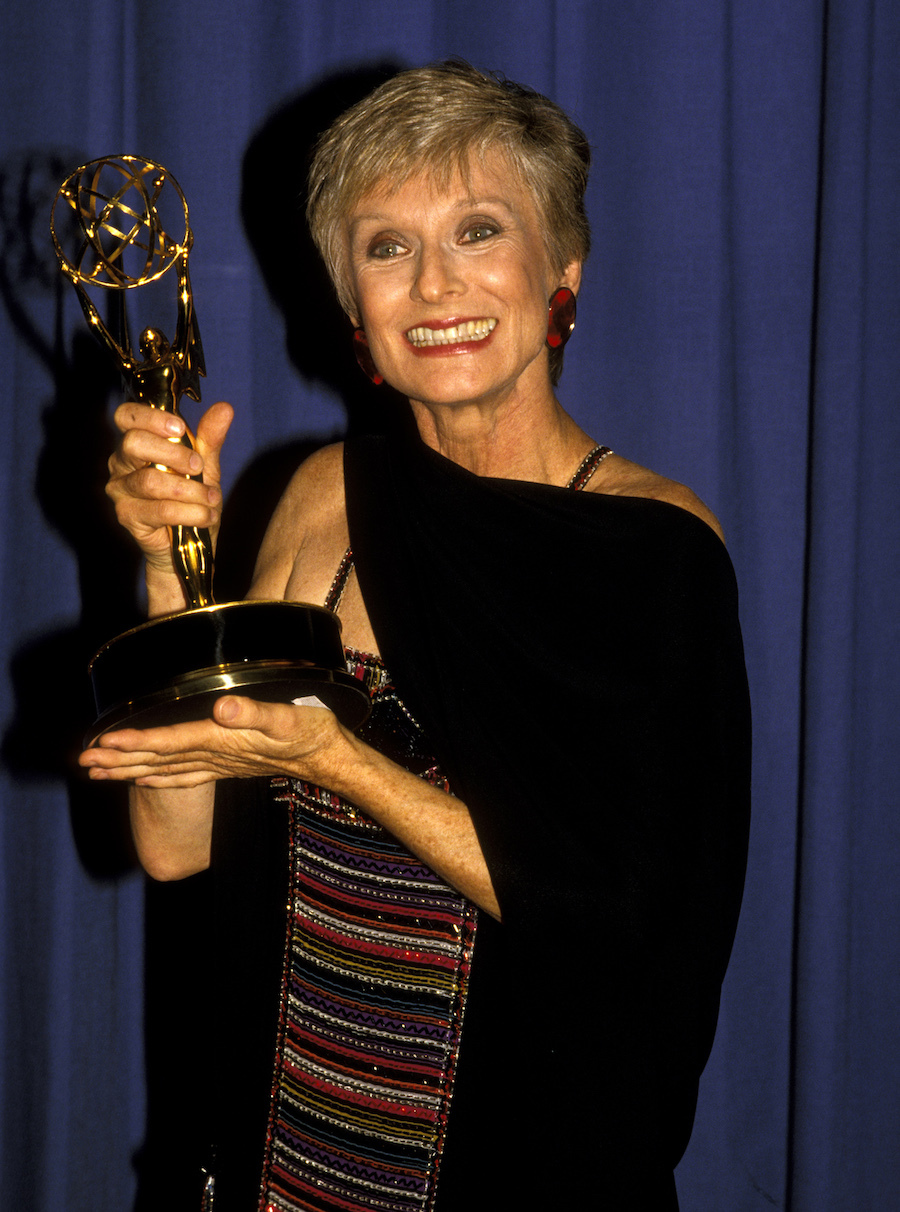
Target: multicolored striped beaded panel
point(377, 963)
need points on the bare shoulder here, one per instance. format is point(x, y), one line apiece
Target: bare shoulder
point(312, 506)
point(618, 476)
point(314, 495)
point(317, 486)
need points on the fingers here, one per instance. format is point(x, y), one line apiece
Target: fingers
point(278, 728)
point(148, 498)
point(152, 775)
point(139, 423)
point(211, 434)
point(275, 720)
point(189, 740)
point(158, 757)
point(244, 738)
point(189, 748)
point(150, 435)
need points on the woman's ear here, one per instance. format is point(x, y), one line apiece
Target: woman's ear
point(571, 276)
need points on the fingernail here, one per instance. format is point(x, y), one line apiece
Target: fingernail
point(228, 709)
point(174, 426)
point(195, 462)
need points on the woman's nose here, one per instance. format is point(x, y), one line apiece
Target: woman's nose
point(437, 275)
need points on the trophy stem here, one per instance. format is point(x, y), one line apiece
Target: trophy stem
point(160, 380)
point(192, 549)
point(192, 554)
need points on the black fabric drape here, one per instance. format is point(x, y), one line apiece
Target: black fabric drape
point(577, 662)
point(217, 945)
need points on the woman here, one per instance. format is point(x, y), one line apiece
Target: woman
point(513, 894)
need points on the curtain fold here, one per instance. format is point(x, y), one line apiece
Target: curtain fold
point(846, 897)
point(739, 329)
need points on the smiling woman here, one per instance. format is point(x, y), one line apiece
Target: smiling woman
point(439, 123)
point(511, 896)
point(458, 270)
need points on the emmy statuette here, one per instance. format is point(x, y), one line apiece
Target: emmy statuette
point(108, 228)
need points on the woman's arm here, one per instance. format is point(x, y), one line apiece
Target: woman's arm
point(172, 824)
point(174, 769)
point(172, 828)
point(247, 739)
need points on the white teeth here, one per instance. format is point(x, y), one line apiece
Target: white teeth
point(471, 330)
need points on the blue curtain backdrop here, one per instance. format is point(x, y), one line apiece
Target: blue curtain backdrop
point(739, 330)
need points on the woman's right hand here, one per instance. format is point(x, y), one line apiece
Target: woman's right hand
point(149, 500)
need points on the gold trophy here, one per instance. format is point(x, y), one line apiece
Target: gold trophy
point(108, 228)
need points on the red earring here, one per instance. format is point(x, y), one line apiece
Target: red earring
point(364, 356)
point(561, 321)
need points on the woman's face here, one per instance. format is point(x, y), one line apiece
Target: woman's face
point(452, 287)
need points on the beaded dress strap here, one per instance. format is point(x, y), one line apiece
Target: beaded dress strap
point(339, 584)
point(587, 467)
point(582, 476)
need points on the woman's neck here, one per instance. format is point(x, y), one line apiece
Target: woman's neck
point(512, 441)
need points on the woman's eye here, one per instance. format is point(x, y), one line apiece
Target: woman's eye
point(479, 232)
point(385, 249)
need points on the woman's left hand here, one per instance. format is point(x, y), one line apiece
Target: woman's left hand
point(243, 739)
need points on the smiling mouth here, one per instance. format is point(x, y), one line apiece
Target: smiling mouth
point(469, 330)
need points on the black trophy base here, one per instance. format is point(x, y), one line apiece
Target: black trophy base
point(172, 669)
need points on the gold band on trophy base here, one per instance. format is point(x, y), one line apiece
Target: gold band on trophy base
point(108, 228)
